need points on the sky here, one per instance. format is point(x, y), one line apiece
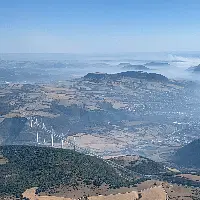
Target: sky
point(99, 26)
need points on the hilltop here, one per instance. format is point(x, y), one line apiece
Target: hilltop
point(153, 63)
point(51, 173)
point(131, 67)
point(128, 74)
point(42, 167)
point(135, 68)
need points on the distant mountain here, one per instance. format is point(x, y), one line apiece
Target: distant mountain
point(135, 67)
point(153, 63)
point(140, 164)
point(189, 155)
point(24, 167)
point(124, 64)
point(128, 74)
point(179, 61)
point(195, 69)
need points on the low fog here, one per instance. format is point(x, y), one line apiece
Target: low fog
point(41, 68)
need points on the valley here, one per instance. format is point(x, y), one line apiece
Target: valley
point(128, 126)
point(125, 113)
point(99, 100)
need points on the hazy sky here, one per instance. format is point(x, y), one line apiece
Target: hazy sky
point(100, 26)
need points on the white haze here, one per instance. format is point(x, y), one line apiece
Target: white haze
point(80, 65)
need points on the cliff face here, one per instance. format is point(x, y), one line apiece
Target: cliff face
point(128, 74)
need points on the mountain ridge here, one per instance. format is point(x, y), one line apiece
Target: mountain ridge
point(128, 74)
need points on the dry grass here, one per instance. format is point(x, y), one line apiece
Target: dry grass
point(151, 190)
point(30, 193)
point(174, 191)
point(156, 193)
point(3, 160)
point(132, 195)
point(190, 177)
point(25, 113)
point(148, 184)
point(88, 190)
point(178, 192)
point(98, 143)
point(127, 196)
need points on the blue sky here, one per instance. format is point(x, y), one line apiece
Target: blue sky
point(99, 26)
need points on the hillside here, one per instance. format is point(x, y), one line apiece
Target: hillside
point(140, 164)
point(128, 74)
point(49, 167)
point(189, 155)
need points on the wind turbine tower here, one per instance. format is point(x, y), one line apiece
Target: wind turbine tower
point(37, 137)
point(36, 121)
point(31, 123)
point(62, 143)
point(52, 139)
point(74, 144)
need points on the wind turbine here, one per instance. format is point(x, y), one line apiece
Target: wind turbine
point(62, 140)
point(74, 144)
point(52, 132)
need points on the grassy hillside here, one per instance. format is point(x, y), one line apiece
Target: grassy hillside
point(46, 167)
